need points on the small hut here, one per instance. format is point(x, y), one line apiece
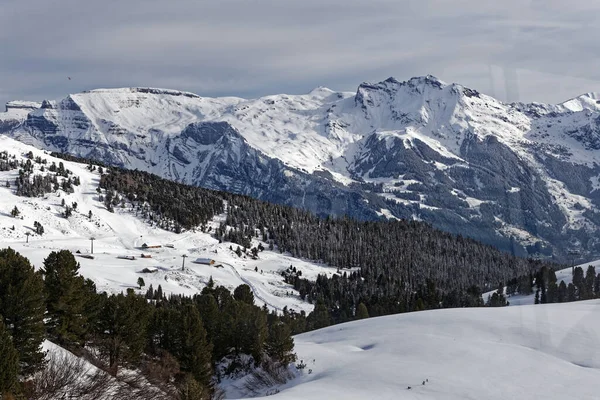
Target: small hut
point(151, 246)
point(204, 261)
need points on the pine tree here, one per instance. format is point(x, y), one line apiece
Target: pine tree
point(211, 319)
point(552, 292)
point(571, 292)
point(195, 351)
point(189, 388)
point(39, 229)
point(562, 295)
point(498, 300)
point(93, 305)
point(9, 363)
point(280, 344)
point(22, 307)
point(122, 328)
point(141, 283)
point(244, 294)
point(65, 298)
point(15, 212)
point(68, 212)
point(590, 277)
point(319, 318)
point(361, 311)
point(578, 282)
point(258, 333)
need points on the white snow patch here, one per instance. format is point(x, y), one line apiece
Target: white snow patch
point(542, 351)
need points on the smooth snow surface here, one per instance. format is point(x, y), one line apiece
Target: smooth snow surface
point(529, 352)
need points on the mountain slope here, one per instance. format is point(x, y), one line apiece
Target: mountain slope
point(523, 177)
point(122, 234)
point(546, 351)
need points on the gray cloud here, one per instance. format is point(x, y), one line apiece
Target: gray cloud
point(516, 50)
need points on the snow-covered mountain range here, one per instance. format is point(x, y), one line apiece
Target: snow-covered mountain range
point(523, 177)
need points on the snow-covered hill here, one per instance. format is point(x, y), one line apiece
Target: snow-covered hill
point(122, 234)
point(544, 351)
point(523, 177)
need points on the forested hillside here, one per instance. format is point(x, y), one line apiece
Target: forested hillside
point(389, 266)
point(186, 344)
point(174, 347)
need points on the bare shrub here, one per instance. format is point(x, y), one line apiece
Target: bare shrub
point(161, 369)
point(191, 389)
point(68, 377)
point(267, 376)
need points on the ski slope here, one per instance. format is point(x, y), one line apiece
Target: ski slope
point(545, 351)
point(122, 234)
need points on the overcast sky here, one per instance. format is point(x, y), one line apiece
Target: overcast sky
point(529, 50)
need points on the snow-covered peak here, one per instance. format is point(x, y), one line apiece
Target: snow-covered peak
point(148, 90)
point(417, 85)
point(587, 101)
point(412, 95)
point(321, 92)
point(429, 80)
point(22, 105)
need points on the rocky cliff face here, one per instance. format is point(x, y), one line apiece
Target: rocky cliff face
point(524, 177)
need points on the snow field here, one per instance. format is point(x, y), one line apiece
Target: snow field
point(543, 351)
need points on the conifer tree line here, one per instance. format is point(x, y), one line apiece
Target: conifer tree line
point(28, 184)
point(387, 266)
point(160, 199)
point(406, 251)
point(174, 341)
point(8, 162)
point(547, 289)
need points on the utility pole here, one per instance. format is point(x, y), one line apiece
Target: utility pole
point(92, 240)
point(183, 264)
point(574, 254)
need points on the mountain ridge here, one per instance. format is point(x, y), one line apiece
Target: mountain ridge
point(521, 176)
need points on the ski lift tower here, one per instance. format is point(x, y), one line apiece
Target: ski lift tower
point(574, 254)
point(183, 263)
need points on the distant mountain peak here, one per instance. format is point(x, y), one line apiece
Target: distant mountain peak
point(149, 90)
point(393, 84)
point(428, 80)
point(586, 101)
point(22, 105)
point(321, 91)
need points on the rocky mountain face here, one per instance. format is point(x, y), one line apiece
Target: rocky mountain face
point(524, 177)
